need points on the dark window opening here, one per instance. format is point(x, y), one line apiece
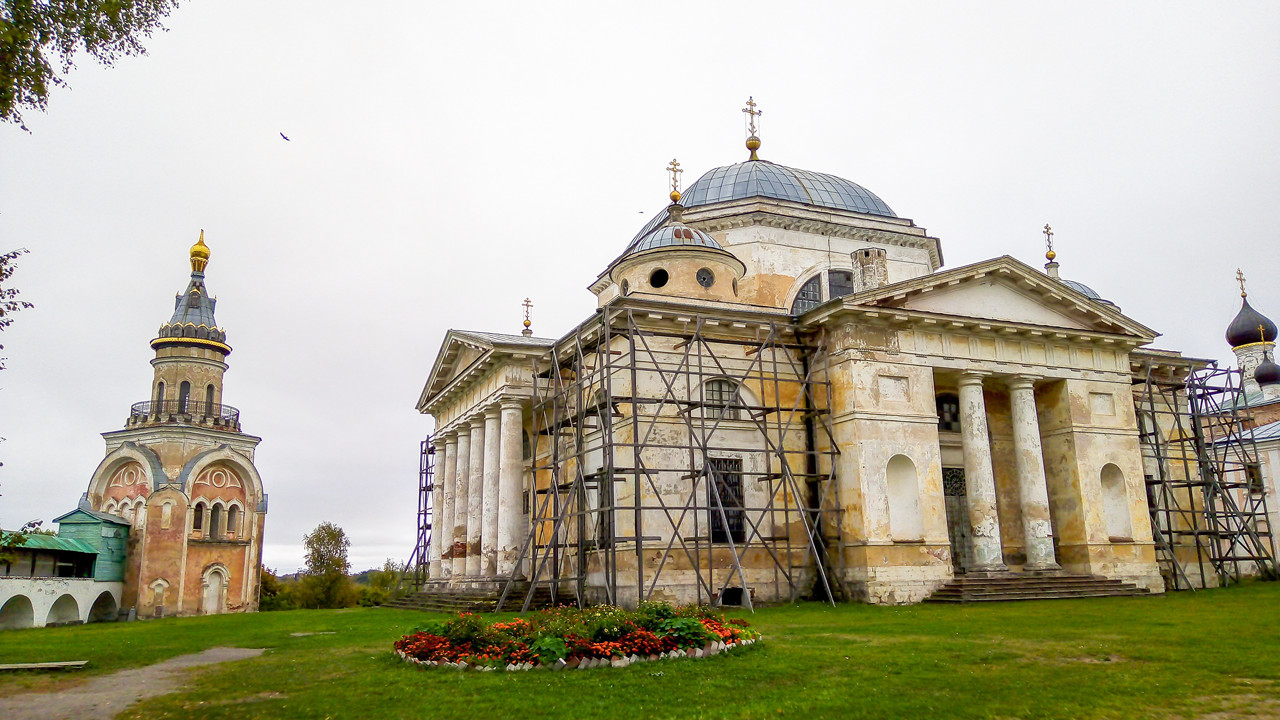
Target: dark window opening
point(948, 413)
point(721, 399)
point(839, 283)
point(659, 278)
point(728, 518)
point(215, 522)
point(184, 393)
point(809, 297)
point(197, 521)
point(233, 521)
point(159, 393)
point(526, 447)
point(208, 401)
point(1253, 475)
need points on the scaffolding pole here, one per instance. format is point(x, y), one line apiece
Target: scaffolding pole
point(418, 565)
point(682, 445)
point(1208, 507)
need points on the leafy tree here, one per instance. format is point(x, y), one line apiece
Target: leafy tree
point(40, 38)
point(326, 583)
point(9, 302)
point(273, 594)
point(11, 539)
point(384, 585)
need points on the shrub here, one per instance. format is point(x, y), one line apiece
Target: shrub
point(568, 633)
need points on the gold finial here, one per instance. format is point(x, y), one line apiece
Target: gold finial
point(199, 254)
point(528, 321)
point(674, 169)
point(753, 141)
point(1240, 279)
point(1048, 241)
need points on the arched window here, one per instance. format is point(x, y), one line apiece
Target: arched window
point(215, 522)
point(809, 297)
point(839, 283)
point(184, 393)
point(721, 399)
point(948, 413)
point(1115, 503)
point(904, 499)
point(160, 392)
point(208, 401)
point(233, 521)
point(197, 517)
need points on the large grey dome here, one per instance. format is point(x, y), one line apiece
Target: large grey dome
point(761, 178)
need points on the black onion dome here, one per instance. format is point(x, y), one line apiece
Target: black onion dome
point(1267, 373)
point(1244, 329)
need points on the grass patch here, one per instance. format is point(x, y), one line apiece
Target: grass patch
point(1209, 654)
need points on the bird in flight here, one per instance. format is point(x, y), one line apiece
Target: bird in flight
point(286, 137)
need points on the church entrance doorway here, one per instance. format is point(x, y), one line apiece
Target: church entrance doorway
point(957, 504)
point(214, 584)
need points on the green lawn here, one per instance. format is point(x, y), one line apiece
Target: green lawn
point(1181, 655)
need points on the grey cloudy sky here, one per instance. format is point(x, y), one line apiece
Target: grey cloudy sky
point(449, 159)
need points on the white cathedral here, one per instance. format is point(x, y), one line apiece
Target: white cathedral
point(783, 394)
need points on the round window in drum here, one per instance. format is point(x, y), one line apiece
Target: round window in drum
point(658, 278)
point(706, 278)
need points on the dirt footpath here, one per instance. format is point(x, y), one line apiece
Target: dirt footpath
point(107, 695)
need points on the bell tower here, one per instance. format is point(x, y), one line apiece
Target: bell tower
point(182, 473)
point(191, 356)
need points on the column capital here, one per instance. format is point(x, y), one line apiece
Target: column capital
point(492, 411)
point(973, 377)
point(476, 420)
point(510, 403)
point(439, 440)
point(1023, 381)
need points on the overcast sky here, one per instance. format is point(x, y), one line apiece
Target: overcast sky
point(446, 160)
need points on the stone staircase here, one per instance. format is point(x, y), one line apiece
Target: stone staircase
point(972, 588)
point(458, 600)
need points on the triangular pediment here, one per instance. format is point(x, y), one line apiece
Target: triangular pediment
point(463, 351)
point(1003, 290)
point(993, 299)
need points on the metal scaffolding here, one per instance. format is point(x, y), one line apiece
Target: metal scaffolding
point(419, 560)
point(684, 442)
point(1204, 488)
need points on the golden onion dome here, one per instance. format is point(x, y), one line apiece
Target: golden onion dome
point(199, 254)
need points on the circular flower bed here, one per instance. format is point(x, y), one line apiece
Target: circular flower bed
point(566, 638)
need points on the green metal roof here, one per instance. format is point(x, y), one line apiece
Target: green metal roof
point(53, 542)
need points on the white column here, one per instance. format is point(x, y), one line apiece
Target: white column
point(1033, 490)
point(980, 482)
point(489, 514)
point(511, 528)
point(475, 497)
point(461, 465)
point(437, 501)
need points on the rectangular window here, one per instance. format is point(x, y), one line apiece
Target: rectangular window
point(1253, 473)
point(724, 485)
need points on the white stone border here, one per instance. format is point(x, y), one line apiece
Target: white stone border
point(714, 648)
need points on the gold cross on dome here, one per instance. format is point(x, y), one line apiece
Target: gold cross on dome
point(1240, 279)
point(752, 114)
point(1048, 236)
point(674, 169)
